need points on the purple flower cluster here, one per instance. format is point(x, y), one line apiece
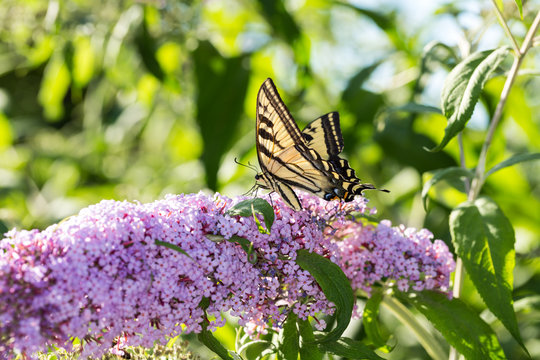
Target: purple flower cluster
point(100, 275)
point(398, 256)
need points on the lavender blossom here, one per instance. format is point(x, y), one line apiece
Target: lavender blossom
point(100, 275)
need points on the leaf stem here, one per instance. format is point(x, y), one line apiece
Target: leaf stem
point(505, 26)
point(478, 179)
point(425, 338)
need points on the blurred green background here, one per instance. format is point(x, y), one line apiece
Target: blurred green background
point(134, 100)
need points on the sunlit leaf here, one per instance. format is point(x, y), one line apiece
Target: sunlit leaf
point(370, 319)
point(54, 87)
point(462, 89)
point(461, 326)
point(484, 239)
point(350, 349)
point(250, 207)
point(308, 351)
point(512, 161)
point(446, 174)
point(334, 284)
point(289, 339)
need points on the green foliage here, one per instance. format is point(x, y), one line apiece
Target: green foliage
point(460, 325)
point(131, 100)
point(335, 286)
point(462, 89)
point(252, 207)
point(484, 239)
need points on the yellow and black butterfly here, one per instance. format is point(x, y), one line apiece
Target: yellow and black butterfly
point(307, 160)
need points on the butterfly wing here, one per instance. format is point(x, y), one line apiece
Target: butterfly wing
point(324, 135)
point(285, 159)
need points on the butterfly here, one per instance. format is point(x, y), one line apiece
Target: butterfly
point(307, 160)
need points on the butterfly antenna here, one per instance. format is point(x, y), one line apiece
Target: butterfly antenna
point(249, 166)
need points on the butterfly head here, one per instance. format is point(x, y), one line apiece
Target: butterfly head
point(261, 181)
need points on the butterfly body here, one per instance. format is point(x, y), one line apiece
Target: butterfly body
point(307, 160)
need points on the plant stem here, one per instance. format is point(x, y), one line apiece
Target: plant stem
point(505, 26)
point(478, 179)
point(425, 338)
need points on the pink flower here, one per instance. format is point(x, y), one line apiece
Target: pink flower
point(99, 276)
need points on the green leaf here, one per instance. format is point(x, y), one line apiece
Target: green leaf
point(416, 108)
point(513, 160)
point(208, 339)
point(246, 245)
point(307, 349)
point(146, 45)
point(289, 339)
point(349, 348)
point(335, 286)
point(221, 91)
point(370, 319)
point(450, 173)
point(520, 8)
point(484, 239)
point(171, 246)
point(462, 89)
point(461, 326)
point(280, 20)
point(250, 207)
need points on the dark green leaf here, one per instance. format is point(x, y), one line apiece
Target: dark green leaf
point(171, 246)
point(335, 286)
point(370, 319)
point(484, 239)
point(460, 326)
point(513, 160)
point(221, 91)
point(349, 348)
point(147, 47)
point(451, 173)
point(208, 339)
point(250, 207)
point(401, 142)
point(462, 89)
point(279, 19)
point(289, 339)
point(307, 349)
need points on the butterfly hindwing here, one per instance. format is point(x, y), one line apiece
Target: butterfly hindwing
point(324, 135)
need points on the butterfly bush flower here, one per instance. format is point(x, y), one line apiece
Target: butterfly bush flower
point(100, 276)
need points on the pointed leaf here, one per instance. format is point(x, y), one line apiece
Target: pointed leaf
point(370, 319)
point(307, 349)
point(484, 239)
point(221, 90)
point(513, 160)
point(520, 8)
point(335, 286)
point(462, 89)
point(416, 108)
point(450, 173)
point(350, 349)
point(208, 339)
point(461, 326)
point(171, 246)
point(250, 207)
point(289, 339)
